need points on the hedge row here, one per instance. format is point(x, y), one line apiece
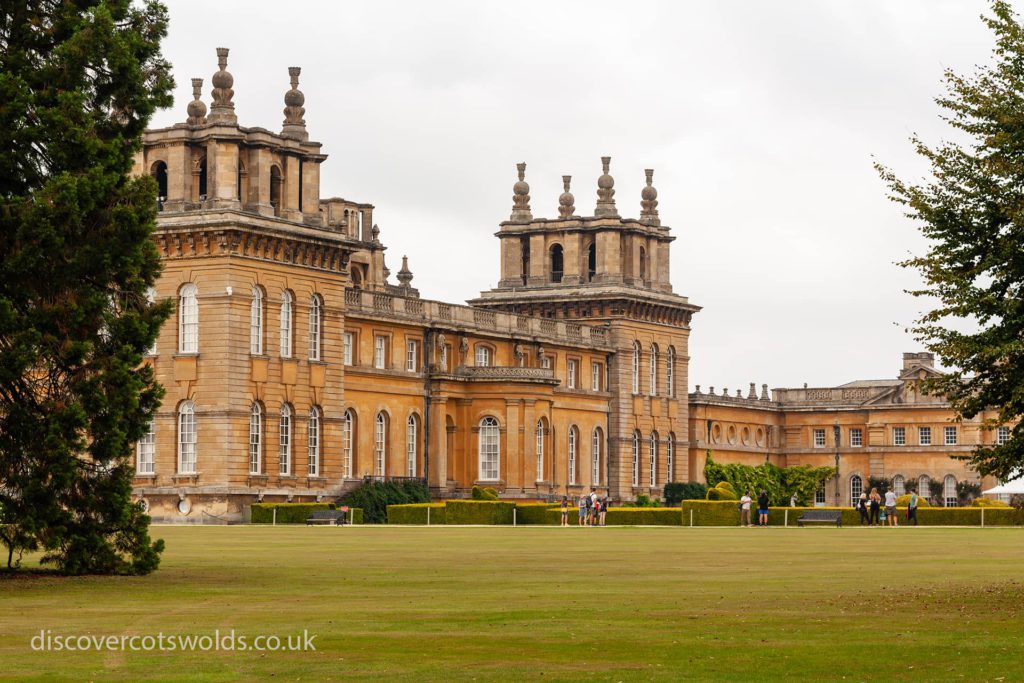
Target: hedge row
point(535, 513)
point(479, 512)
point(295, 513)
point(726, 513)
point(626, 516)
point(416, 513)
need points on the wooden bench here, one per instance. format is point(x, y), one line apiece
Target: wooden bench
point(326, 517)
point(824, 516)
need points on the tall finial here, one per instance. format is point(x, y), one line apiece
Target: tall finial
point(196, 108)
point(606, 192)
point(764, 392)
point(566, 202)
point(649, 201)
point(405, 275)
point(521, 198)
point(753, 391)
point(294, 124)
point(223, 109)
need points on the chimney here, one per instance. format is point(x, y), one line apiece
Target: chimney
point(922, 358)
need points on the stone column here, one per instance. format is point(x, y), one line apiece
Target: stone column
point(513, 455)
point(572, 260)
point(438, 443)
point(538, 260)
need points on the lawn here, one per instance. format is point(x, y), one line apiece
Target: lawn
point(544, 603)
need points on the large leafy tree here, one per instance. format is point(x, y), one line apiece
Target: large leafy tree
point(971, 210)
point(79, 81)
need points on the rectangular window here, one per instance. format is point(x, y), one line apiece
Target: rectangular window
point(899, 436)
point(379, 345)
point(924, 436)
point(819, 438)
point(545, 362)
point(1002, 435)
point(950, 434)
point(483, 356)
point(313, 442)
point(147, 451)
point(595, 376)
point(856, 437)
point(571, 374)
point(412, 354)
point(347, 342)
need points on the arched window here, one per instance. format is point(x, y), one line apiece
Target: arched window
point(573, 443)
point(313, 441)
point(202, 179)
point(924, 486)
point(483, 356)
point(540, 450)
point(256, 439)
point(490, 450)
point(654, 370)
point(187, 438)
point(316, 308)
point(287, 304)
point(670, 458)
point(556, 263)
point(348, 430)
point(654, 459)
point(819, 495)
point(524, 248)
point(595, 456)
point(856, 488)
point(670, 372)
point(146, 455)
point(898, 485)
point(188, 319)
point(380, 444)
point(284, 450)
point(949, 496)
point(411, 446)
point(636, 367)
point(591, 261)
point(636, 459)
point(356, 273)
point(160, 175)
point(256, 317)
point(275, 189)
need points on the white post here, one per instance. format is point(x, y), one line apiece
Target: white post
point(787, 518)
point(513, 517)
point(691, 516)
point(275, 516)
point(428, 515)
point(983, 517)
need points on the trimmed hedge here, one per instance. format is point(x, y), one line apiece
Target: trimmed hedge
point(711, 512)
point(627, 517)
point(726, 513)
point(988, 503)
point(536, 513)
point(904, 500)
point(479, 512)
point(295, 513)
point(416, 513)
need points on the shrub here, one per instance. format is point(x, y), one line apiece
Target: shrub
point(479, 512)
point(988, 503)
point(484, 493)
point(721, 493)
point(416, 513)
point(780, 482)
point(644, 501)
point(373, 497)
point(287, 513)
point(710, 512)
point(904, 500)
point(628, 516)
point(677, 491)
point(536, 513)
point(726, 485)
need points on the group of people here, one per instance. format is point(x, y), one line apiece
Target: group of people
point(762, 509)
point(872, 512)
point(592, 510)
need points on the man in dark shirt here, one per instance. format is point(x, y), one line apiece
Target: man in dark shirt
point(762, 509)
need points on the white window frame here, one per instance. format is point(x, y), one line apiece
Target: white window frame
point(899, 436)
point(950, 499)
point(347, 342)
point(482, 356)
point(347, 427)
point(654, 459)
point(411, 436)
point(284, 442)
point(188, 319)
point(899, 485)
point(924, 486)
point(545, 362)
point(489, 450)
point(595, 376)
point(819, 495)
point(412, 352)
point(256, 439)
point(146, 450)
point(540, 450)
point(1002, 435)
point(287, 323)
point(380, 345)
point(313, 441)
point(256, 318)
point(636, 459)
point(949, 435)
point(670, 458)
point(856, 487)
point(924, 436)
point(188, 432)
point(856, 437)
point(571, 372)
point(380, 444)
point(636, 369)
point(573, 443)
point(653, 371)
point(595, 456)
point(670, 372)
point(316, 313)
point(819, 437)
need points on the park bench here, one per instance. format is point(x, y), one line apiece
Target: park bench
point(326, 517)
point(825, 516)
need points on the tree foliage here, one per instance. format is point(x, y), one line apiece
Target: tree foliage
point(375, 496)
point(79, 82)
point(676, 492)
point(971, 211)
point(779, 482)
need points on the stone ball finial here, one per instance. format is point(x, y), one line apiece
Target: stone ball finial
point(294, 124)
point(196, 108)
point(521, 197)
point(566, 202)
point(606, 191)
point(223, 109)
point(649, 200)
point(375, 233)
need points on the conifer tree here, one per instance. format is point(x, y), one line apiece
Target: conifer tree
point(79, 81)
point(971, 210)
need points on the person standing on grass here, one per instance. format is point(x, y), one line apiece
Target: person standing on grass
point(565, 510)
point(792, 501)
point(583, 510)
point(912, 508)
point(745, 510)
point(604, 509)
point(862, 508)
point(890, 508)
point(875, 502)
point(762, 509)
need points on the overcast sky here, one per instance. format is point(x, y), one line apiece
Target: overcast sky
point(761, 120)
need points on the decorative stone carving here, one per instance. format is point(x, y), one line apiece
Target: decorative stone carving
point(521, 197)
point(540, 354)
point(196, 108)
point(223, 109)
point(753, 391)
point(294, 124)
point(375, 234)
point(463, 350)
point(520, 355)
point(764, 392)
point(606, 191)
point(566, 202)
point(405, 275)
point(649, 201)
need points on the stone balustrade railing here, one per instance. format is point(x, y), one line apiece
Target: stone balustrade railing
point(504, 373)
point(471, 318)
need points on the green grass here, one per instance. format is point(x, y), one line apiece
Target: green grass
point(551, 604)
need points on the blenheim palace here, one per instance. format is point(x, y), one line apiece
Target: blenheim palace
point(295, 367)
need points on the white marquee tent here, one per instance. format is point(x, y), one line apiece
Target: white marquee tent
point(1009, 488)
